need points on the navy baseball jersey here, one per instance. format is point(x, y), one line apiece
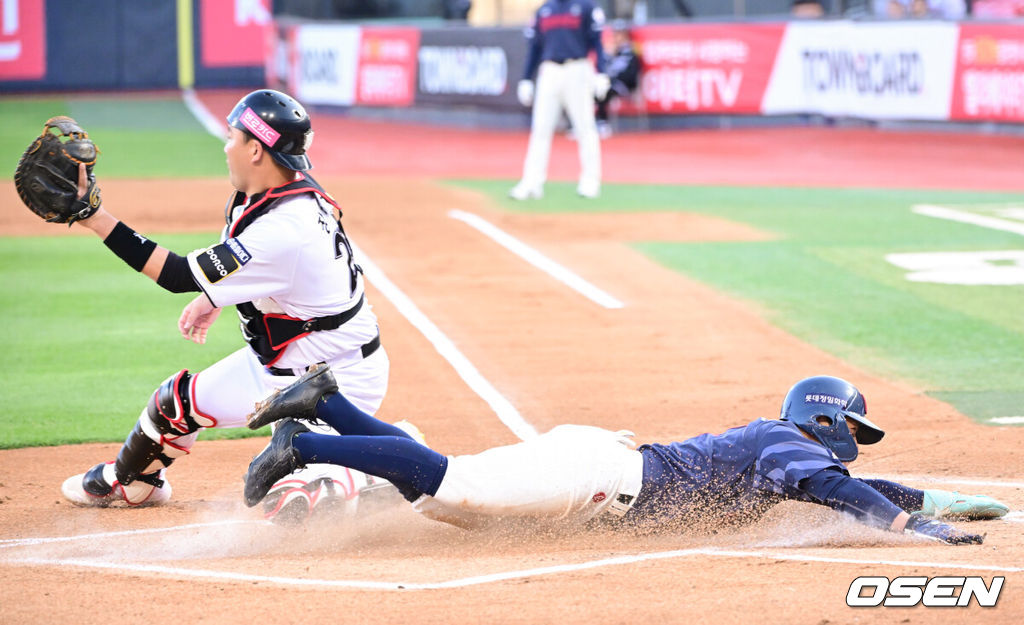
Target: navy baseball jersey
point(563, 30)
point(741, 472)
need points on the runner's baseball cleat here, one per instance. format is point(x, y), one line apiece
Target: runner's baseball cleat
point(276, 461)
point(98, 488)
point(297, 400)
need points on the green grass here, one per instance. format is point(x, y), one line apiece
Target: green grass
point(137, 138)
point(824, 278)
point(88, 340)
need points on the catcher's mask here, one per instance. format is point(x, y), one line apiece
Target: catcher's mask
point(836, 400)
point(279, 122)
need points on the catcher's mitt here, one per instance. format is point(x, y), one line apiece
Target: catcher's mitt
point(47, 174)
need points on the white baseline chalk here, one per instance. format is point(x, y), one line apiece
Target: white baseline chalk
point(165, 571)
point(444, 346)
point(943, 212)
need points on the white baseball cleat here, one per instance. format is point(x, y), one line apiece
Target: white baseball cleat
point(588, 191)
point(96, 489)
point(523, 192)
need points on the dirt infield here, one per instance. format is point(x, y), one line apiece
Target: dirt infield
point(677, 360)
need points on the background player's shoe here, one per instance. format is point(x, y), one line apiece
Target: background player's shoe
point(588, 191)
point(275, 462)
point(604, 129)
point(525, 192)
point(297, 400)
point(951, 504)
point(99, 488)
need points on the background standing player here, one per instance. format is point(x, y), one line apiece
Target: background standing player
point(560, 38)
point(623, 74)
point(285, 262)
point(577, 473)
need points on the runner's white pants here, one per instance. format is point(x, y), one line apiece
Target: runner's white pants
point(571, 473)
point(568, 86)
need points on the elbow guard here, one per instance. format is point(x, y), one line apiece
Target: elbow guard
point(176, 276)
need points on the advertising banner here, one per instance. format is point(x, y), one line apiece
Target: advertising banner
point(706, 68)
point(324, 63)
point(989, 82)
point(387, 66)
point(876, 71)
point(472, 66)
point(233, 33)
point(22, 40)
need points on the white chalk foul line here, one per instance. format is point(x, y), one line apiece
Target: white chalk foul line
point(943, 212)
point(538, 260)
point(214, 126)
point(123, 567)
point(23, 542)
point(1007, 420)
point(444, 346)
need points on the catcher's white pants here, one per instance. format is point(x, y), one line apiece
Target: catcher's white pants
point(228, 390)
point(571, 473)
point(568, 86)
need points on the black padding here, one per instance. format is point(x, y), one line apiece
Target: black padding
point(176, 276)
point(93, 482)
point(136, 455)
point(170, 408)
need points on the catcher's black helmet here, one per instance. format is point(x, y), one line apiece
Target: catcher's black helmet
point(836, 400)
point(279, 122)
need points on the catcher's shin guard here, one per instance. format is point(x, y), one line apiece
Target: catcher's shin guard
point(165, 431)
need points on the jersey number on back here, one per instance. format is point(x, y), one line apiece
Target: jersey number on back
point(342, 248)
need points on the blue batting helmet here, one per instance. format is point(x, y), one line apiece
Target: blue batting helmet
point(279, 122)
point(836, 400)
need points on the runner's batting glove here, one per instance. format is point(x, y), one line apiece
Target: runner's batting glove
point(936, 530)
point(524, 91)
point(601, 86)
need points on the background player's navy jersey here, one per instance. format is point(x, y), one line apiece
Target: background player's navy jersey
point(563, 30)
point(736, 475)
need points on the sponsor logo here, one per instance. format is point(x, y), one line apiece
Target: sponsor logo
point(217, 262)
point(464, 70)
point(259, 128)
point(707, 88)
point(817, 398)
point(599, 497)
point(863, 72)
point(238, 250)
point(319, 65)
point(948, 591)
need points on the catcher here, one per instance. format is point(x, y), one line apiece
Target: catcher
point(283, 260)
point(576, 473)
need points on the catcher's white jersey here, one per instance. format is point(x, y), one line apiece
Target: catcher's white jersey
point(295, 261)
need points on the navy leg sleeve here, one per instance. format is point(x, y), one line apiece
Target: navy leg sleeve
point(345, 418)
point(906, 497)
point(400, 460)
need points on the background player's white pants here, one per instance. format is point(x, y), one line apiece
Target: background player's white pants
point(228, 390)
point(571, 473)
point(568, 86)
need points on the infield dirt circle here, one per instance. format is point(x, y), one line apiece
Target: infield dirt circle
point(679, 359)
